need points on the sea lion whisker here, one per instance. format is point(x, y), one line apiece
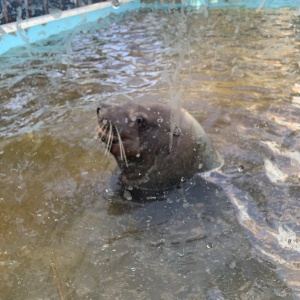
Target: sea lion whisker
point(124, 153)
point(109, 139)
point(122, 150)
point(106, 140)
point(104, 126)
point(102, 130)
point(120, 143)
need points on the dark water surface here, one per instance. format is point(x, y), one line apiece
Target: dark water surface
point(232, 235)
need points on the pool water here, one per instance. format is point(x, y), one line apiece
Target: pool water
point(64, 234)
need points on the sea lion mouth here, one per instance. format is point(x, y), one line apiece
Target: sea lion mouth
point(109, 134)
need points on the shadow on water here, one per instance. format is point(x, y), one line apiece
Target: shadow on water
point(65, 234)
point(189, 246)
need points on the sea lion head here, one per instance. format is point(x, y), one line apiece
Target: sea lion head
point(127, 130)
point(155, 147)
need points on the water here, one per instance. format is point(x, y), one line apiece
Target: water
point(235, 236)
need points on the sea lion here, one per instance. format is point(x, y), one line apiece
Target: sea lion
point(155, 146)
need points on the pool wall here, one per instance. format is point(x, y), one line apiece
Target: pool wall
point(32, 30)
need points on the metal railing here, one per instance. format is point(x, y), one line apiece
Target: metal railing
point(13, 10)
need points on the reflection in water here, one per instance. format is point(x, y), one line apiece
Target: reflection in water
point(64, 230)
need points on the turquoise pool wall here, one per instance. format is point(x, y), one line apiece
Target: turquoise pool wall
point(21, 37)
point(42, 31)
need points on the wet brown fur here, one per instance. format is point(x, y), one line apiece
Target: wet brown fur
point(157, 155)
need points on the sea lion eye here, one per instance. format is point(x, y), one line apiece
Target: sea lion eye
point(140, 121)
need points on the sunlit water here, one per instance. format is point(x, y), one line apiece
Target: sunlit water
point(63, 234)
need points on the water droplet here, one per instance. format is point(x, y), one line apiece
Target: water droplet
point(160, 120)
point(115, 4)
point(209, 245)
point(241, 168)
point(232, 264)
point(200, 166)
point(133, 269)
point(138, 155)
point(127, 195)
point(177, 131)
point(55, 12)
point(146, 178)
point(186, 205)
point(182, 179)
